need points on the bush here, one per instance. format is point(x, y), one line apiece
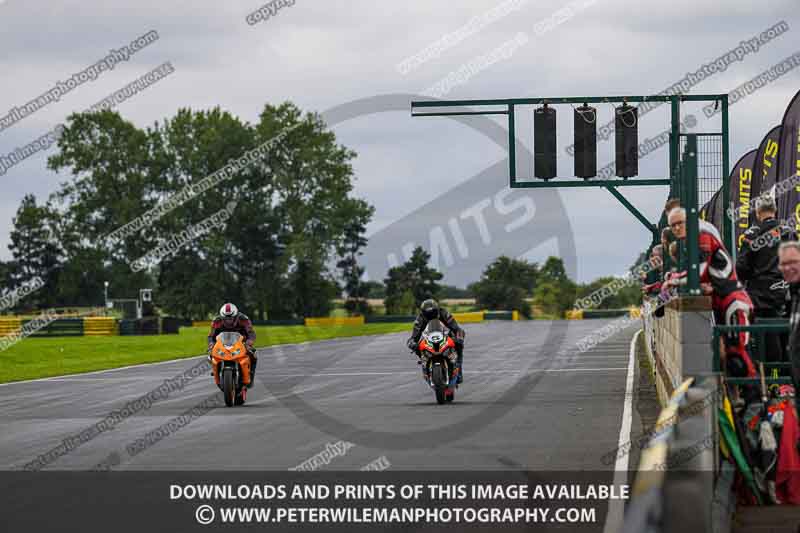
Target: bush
point(405, 305)
point(497, 296)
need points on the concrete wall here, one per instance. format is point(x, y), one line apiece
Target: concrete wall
point(678, 343)
point(676, 479)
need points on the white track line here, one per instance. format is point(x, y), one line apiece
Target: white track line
point(616, 508)
point(80, 377)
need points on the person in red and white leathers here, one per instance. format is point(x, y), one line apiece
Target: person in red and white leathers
point(729, 301)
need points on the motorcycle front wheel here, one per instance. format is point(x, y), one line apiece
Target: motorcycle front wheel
point(439, 383)
point(228, 387)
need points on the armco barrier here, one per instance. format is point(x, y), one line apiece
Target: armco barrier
point(100, 326)
point(605, 313)
point(143, 326)
point(498, 315)
point(149, 326)
point(127, 326)
point(97, 326)
point(63, 327)
point(464, 318)
point(335, 321)
point(400, 319)
point(9, 325)
point(280, 322)
point(468, 318)
point(171, 325)
point(580, 314)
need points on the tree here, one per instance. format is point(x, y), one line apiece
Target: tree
point(404, 305)
point(7, 283)
point(313, 177)
point(555, 292)
point(36, 251)
point(505, 284)
point(499, 296)
point(116, 174)
point(7, 270)
point(414, 276)
point(349, 250)
point(311, 291)
point(549, 297)
point(293, 209)
point(374, 289)
point(451, 291)
point(553, 270)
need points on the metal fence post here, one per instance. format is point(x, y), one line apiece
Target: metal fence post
point(727, 233)
point(692, 216)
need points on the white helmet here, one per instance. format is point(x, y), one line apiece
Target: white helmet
point(228, 311)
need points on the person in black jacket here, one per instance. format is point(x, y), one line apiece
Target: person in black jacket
point(430, 310)
point(757, 267)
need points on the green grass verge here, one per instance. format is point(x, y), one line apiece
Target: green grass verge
point(34, 358)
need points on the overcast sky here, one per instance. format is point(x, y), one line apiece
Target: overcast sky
point(324, 54)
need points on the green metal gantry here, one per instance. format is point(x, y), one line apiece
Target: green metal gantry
point(682, 168)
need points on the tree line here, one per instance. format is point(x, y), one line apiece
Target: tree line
point(290, 247)
point(505, 284)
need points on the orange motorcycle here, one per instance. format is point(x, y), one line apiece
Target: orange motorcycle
point(231, 366)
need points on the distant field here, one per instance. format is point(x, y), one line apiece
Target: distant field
point(44, 357)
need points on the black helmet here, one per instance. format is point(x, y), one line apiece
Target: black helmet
point(430, 309)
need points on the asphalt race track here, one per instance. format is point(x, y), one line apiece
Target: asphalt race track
point(523, 406)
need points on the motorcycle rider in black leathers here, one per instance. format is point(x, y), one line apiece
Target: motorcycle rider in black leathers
point(757, 267)
point(430, 310)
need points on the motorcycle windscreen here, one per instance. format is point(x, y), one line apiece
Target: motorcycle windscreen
point(435, 330)
point(228, 338)
point(435, 325)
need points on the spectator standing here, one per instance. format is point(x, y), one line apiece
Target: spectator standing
point(757, 268)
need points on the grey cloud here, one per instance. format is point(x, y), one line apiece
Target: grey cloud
point(322, 54)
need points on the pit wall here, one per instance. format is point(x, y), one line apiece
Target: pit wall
point(677, 488)
point(678, 343)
